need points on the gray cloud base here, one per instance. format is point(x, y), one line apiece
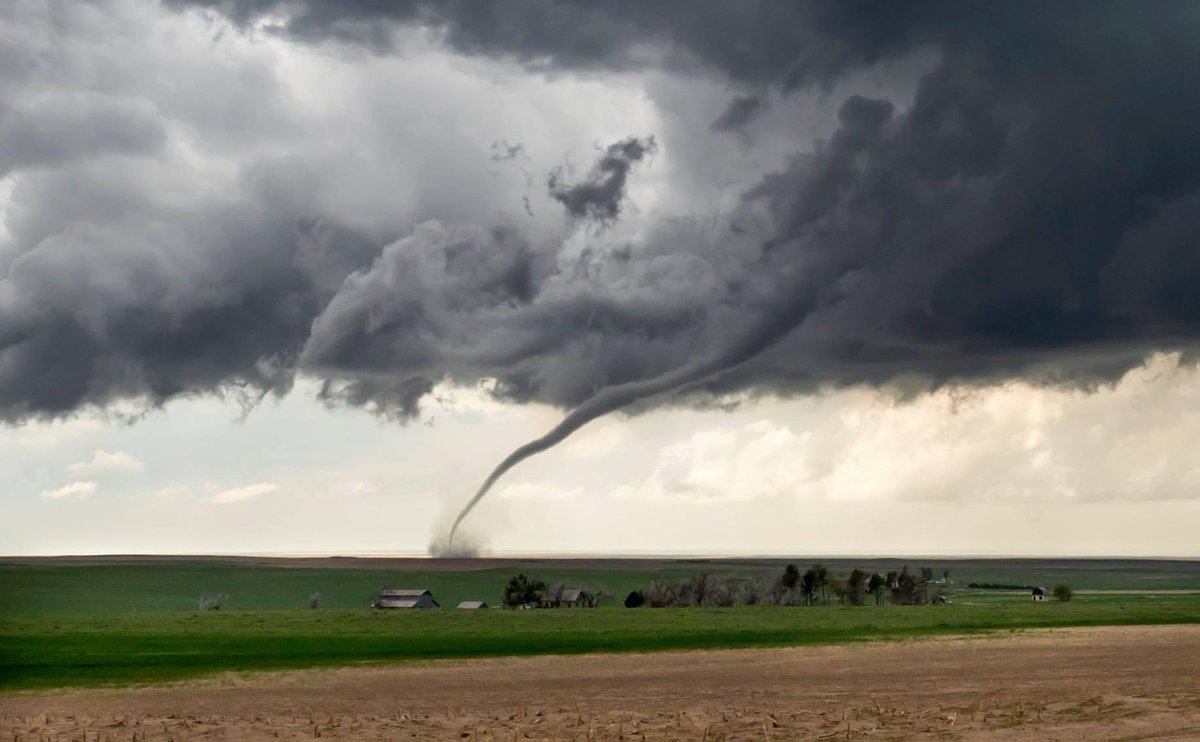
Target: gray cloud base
point(1032, 213)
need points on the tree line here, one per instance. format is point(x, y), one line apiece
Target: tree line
point(815, 586)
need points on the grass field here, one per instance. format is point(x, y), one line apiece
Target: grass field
point(148, 586)
point(88, 625)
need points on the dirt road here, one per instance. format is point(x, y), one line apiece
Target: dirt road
point(1060, 684)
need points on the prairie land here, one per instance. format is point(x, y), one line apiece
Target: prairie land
point(1100, 683)
point(86, 622)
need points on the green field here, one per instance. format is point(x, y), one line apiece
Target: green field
point(130, 623)
point(146, 585)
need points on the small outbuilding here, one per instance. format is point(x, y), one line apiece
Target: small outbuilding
point(390, 597)
point(568, 597)
point(1040, 594)
point(472, 605)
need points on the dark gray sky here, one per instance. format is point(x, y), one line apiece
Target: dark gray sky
point(375, 209)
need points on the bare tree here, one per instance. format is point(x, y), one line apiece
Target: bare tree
point(722, 595)
point(696, 589)
point(314, 601)
point(211, 601)
point(753, 592)
point(839, 588)
point(660, 594)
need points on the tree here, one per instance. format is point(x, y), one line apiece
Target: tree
point(839, 588)
point(1063, 592)
point(660, 594)
point(876, 585)
point(753, 592)
point(791, 577)
point(856, 586)
point(822, 581)
point(635, 599)
point(698, 590)
point(926, 581)
point(522, 590)
point(904, 588)
point(808, 585)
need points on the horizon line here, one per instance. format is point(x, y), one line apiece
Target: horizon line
point(584, 555)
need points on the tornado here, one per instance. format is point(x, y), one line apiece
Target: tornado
point(788, 315)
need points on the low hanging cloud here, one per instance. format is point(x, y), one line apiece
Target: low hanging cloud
point(104, 462)
point(78, 490)
point(247, 492)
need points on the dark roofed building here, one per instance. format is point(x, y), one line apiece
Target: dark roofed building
point(404, 598)
point(567, 597)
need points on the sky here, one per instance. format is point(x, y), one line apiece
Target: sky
point(704, 278)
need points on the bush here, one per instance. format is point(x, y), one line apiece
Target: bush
point(1063, 592)
point(635, 600)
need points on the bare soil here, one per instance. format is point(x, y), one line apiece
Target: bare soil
point(1077, 684)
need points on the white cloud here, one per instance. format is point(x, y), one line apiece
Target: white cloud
point(758, 459)
point(538, 491)
point(172, 490)
point(237, 494)
point(598, 439)
point(48, 434)
point(350, 488)
point(103, 462)
point(1014, 443)
point(74, 489)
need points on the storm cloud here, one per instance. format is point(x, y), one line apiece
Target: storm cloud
point(1030, 213)
point(598, 197)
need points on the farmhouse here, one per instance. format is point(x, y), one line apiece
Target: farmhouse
point(472, 605)
point(1040, 594)
point(401, 598)
point(567, 597)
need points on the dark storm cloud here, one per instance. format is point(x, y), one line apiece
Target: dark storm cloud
point(740, 111)
point(598, 197)
point(753, 41)
point(1032, 213)
point(988, 231)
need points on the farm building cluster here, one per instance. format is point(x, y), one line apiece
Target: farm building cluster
point(566, 597)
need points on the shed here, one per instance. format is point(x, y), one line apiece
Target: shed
point(390, 597)
point(568, 597)
point(1040, 594)
point(472, 605)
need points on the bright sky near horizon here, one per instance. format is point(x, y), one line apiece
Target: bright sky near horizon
point(1011, 470)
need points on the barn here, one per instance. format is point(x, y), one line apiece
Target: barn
point(567, 597)
point(472, 605)
point(1040, 594)
point(390, 597)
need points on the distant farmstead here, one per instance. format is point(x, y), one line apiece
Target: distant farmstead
point(1040, 594)
point(472, 605)
point(401, 598)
